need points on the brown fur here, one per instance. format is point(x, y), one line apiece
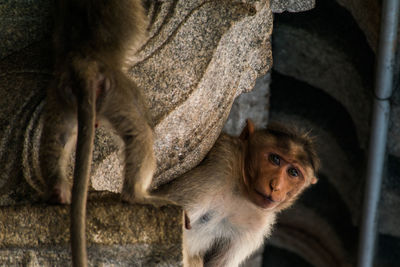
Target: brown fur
point(91, 39)
point(232, 197)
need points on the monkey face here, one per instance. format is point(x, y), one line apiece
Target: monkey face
point(277, 166)
point(275, 177)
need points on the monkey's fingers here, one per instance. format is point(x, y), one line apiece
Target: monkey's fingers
point(187, 222)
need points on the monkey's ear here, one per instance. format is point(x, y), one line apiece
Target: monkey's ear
point(248, 130)
point(314, 180)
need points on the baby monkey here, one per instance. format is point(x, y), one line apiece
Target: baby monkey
point(91, 39)
point(231, 199)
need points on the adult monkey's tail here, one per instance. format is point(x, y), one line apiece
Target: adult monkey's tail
point(86, 110)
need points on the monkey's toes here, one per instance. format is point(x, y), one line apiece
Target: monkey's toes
point(60, 196)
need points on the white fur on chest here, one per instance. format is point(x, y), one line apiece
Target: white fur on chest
point(227, 217)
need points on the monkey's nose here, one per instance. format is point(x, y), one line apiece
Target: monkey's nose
point(275, 185)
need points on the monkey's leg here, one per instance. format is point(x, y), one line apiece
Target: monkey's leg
point(132, 127)
point(57, 141)
point(140, 163)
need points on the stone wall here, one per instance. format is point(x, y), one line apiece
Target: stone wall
point(322, 79)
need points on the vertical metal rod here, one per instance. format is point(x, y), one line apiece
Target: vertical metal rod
point(373, 182)
point(379, 128)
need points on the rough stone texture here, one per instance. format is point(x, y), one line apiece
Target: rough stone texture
point(394, 126)
point(204, 68)
point(252, 105)
point(279, 6)
point(22, 23)
point(324, 66)
point(390, 196)
point(389, 205)
point(367, 13)
point(301, 230)
point(199, 56)
point(117, 233)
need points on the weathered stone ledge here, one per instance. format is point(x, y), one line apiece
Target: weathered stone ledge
point(117, 233)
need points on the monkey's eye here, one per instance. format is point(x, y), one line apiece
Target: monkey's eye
point(275, 159)
point(293, 172)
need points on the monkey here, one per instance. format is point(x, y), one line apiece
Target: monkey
point(232, 197)
point(90, 42)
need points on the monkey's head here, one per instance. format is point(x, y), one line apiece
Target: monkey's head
point(279, 163)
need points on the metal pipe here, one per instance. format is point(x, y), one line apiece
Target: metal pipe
point(379, 128)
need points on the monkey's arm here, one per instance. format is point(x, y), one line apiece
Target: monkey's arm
point(188, 188)
point(203, 179)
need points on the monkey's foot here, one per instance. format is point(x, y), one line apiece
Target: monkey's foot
point(60, 194)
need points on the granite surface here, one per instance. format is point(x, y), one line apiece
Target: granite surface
point(279, 6)
point(198, 57)
point(130, 235)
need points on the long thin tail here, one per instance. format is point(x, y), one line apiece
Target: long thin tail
point(86, 99)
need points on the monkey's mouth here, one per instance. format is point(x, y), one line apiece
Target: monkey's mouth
point(266, 201)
